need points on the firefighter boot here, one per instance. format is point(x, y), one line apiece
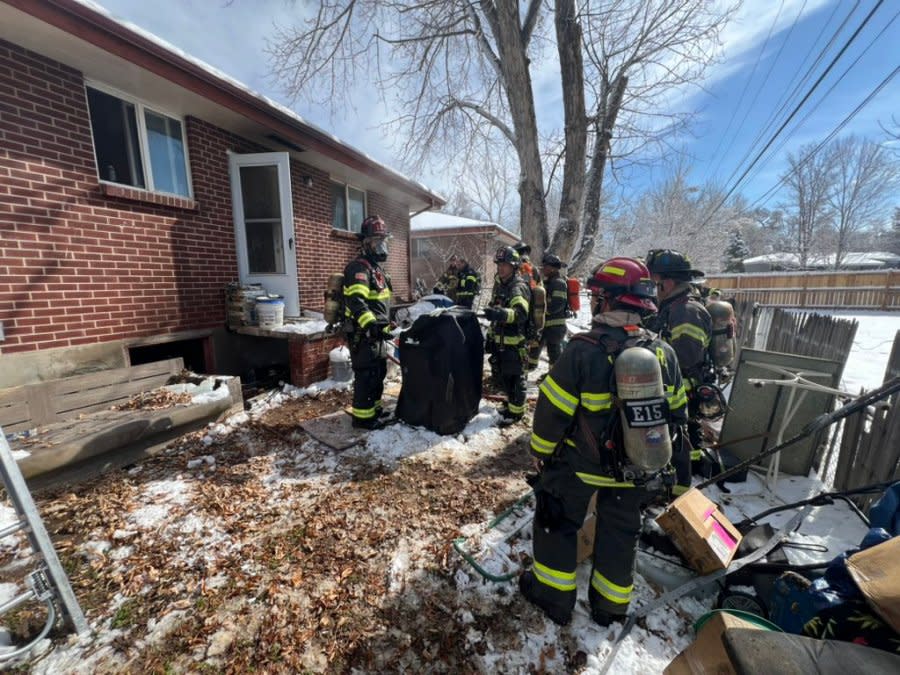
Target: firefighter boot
point(371, 424)
point(527, 582)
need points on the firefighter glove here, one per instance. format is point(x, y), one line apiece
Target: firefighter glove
point(494, 313)
point(379, 330)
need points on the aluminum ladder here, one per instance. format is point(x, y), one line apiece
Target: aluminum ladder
point(48, 582)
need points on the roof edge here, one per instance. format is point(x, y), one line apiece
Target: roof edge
point(105, 32)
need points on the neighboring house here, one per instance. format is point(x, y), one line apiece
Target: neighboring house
point(776, 262)
point(136, 182)
point(437, 236)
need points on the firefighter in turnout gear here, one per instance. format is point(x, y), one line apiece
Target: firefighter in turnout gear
point(685, 324)
point(508, 312)
point(460, 282)
point(557, 312)
point(367, 297)
point(531, 276)
point(580, 449)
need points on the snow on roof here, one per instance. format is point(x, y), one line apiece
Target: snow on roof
point(220, 75)
point(435, 220)
point(850, 259)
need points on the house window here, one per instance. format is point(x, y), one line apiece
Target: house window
point(348, 207)
point(421, 248)
point(137, 146)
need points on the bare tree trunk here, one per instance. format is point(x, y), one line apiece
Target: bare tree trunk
point(607, 111)
point(568, 39)
point(514, 66)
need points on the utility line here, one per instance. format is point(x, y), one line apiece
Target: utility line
point(771, 191)
point(759, 89)
point(828, 92)
point(744, 91)
point(793, 114)
point(782, 106)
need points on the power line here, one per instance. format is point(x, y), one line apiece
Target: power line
point(793, 113)
point(744, 90)
point(840, 78)
point(771, 191)
point(782, 107)
point(766, 79)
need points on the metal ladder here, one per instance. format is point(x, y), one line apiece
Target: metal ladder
point(48, 582)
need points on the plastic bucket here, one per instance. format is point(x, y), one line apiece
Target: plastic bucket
point(270, 312)
point(341, 369)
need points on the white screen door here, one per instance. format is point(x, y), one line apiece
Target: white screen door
point(264, 224)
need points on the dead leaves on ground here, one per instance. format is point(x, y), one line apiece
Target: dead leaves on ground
point(353, 575)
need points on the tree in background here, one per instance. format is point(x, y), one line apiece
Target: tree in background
point(894, 241)
point(865, 176)
point(674, 214)
point(809, 180)
point(736, 251)
point(460, 71)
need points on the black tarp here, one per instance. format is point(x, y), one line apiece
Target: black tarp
point(441, 357)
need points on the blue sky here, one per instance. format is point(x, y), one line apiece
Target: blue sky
point(754, 72)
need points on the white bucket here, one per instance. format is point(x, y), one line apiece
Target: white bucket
point(270, 312)
point(341, 369)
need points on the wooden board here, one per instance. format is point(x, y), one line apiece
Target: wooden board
point(41, 403)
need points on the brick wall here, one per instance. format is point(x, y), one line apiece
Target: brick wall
point(82, 262)
point(310, 358)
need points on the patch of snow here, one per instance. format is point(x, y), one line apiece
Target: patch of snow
point(8, 591)
point(308, 327)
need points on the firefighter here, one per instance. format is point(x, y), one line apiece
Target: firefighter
point(367, 297)
point(557, 311)
point(578, 450)
point(469, 285)
point(531, 276)
point(460, 282)
point(508, 312)
point(448, 284)
point(685, 324)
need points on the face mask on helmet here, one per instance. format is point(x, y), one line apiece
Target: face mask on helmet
point(379, 249)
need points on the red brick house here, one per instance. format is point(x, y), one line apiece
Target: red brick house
point(136, 183)
point(437, 236)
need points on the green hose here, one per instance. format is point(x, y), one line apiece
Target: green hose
point(458, 543)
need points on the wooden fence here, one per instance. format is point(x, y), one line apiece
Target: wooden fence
point(870, 442)
point(879, 290)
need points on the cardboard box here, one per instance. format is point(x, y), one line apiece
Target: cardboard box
point(706, 655)
point(586, 533)
point(700, 531)
point(877, 573)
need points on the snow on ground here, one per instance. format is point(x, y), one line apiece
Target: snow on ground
point(871, 348)
point(165, 508)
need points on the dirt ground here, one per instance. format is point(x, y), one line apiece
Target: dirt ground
point(299, 589)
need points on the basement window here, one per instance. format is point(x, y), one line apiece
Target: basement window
point(137, 146)
point(348, 207)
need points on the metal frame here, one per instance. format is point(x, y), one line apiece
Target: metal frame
point(794, 381)
point(48, 583)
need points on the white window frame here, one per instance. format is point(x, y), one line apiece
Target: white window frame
point(140, 106)
point(347, 187)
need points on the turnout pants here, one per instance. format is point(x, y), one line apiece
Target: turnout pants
point(511, 377)
point(562, 499)
point(369, 361)
point(552, 337)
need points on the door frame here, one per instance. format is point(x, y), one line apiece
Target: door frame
point(286, 284)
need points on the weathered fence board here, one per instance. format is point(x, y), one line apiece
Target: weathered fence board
point(870, 442)
point(836, 290)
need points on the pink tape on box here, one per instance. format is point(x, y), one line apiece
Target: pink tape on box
point(720, 531)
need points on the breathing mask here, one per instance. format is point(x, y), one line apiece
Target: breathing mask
point(379, 249)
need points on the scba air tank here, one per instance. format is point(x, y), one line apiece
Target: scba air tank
point(723, 342)
point(334, 292)
point(644, 412)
